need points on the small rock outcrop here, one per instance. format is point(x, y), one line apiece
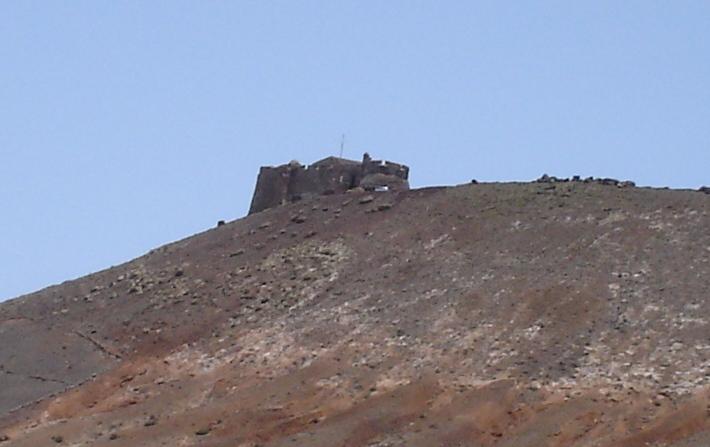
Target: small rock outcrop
point(602, 181)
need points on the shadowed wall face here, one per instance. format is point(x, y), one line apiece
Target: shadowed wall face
point(271, 187)
point(293, 182)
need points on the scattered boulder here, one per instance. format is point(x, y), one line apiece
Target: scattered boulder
point(576, 178)
point(550, 179)
point(367, 199)
point(57, 439)
point(379, 207)
point(203, 431)
point(220, 223)
point(152, 420)
point(298, 218)
point(704, 189)
point(544, 179)
point(4, 438)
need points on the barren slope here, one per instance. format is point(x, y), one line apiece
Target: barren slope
point(569, 314)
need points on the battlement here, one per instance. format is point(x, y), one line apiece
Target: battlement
point(291, 182)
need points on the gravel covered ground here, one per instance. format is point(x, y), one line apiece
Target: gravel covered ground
point(519, 314)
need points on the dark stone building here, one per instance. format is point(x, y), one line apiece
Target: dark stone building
point(278, 185)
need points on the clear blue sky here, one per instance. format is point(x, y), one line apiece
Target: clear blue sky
point(126, 125)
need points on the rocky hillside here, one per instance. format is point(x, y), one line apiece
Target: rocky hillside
point(543, 314)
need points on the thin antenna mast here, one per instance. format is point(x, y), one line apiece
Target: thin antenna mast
point(342, 145)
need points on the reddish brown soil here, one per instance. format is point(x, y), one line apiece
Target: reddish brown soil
point(566, 314)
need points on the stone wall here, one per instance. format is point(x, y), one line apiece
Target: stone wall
point(278, 185)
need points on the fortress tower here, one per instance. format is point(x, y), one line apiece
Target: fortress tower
point(278, 185)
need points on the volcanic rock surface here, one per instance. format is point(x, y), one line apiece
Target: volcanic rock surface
point(567, 314)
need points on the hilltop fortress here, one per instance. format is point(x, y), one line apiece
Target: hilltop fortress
point(278, 185)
